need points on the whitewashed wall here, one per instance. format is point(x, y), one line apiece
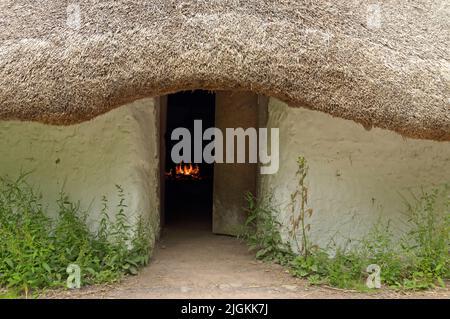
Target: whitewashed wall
point(89, 159)
point(356, 176)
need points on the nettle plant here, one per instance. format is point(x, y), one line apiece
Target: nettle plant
point(35, 250)
point(418, 260)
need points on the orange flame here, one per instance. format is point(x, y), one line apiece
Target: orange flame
point(185, 170)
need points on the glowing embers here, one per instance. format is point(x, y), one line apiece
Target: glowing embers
point(184, 172)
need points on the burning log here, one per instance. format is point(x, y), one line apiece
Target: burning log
point(184, 171)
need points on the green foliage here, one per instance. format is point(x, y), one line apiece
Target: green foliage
point(429, 239)
point(299, 211)
point(261, 231)
point(35, 250)
point(418, 260)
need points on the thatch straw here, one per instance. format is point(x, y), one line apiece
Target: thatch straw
point(332, 56)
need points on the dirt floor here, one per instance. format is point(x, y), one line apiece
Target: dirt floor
point(191, 262)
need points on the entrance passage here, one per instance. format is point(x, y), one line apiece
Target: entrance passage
point(205, 196)
point(188, 186)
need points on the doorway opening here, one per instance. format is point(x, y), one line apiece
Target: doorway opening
point(188, 199)
point(201, 196)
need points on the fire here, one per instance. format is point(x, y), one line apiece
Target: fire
point(185, 170)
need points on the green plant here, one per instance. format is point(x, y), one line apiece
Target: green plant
point(418, 260)
point(299, 210)
point(261, 231)
point(378, 247)
point(35, 250)
point(429, 238)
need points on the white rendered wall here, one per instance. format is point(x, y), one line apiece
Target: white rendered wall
point(89, 159)
point(356, 176)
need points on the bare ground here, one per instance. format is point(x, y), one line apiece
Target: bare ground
point(194, 263)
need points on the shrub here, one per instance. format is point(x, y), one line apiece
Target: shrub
point(418, 260)
point(35, 250)
point(261, 231)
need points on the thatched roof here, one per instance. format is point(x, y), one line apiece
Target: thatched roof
point(331, 56)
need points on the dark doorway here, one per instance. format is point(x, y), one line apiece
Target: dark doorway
point(188, 198)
